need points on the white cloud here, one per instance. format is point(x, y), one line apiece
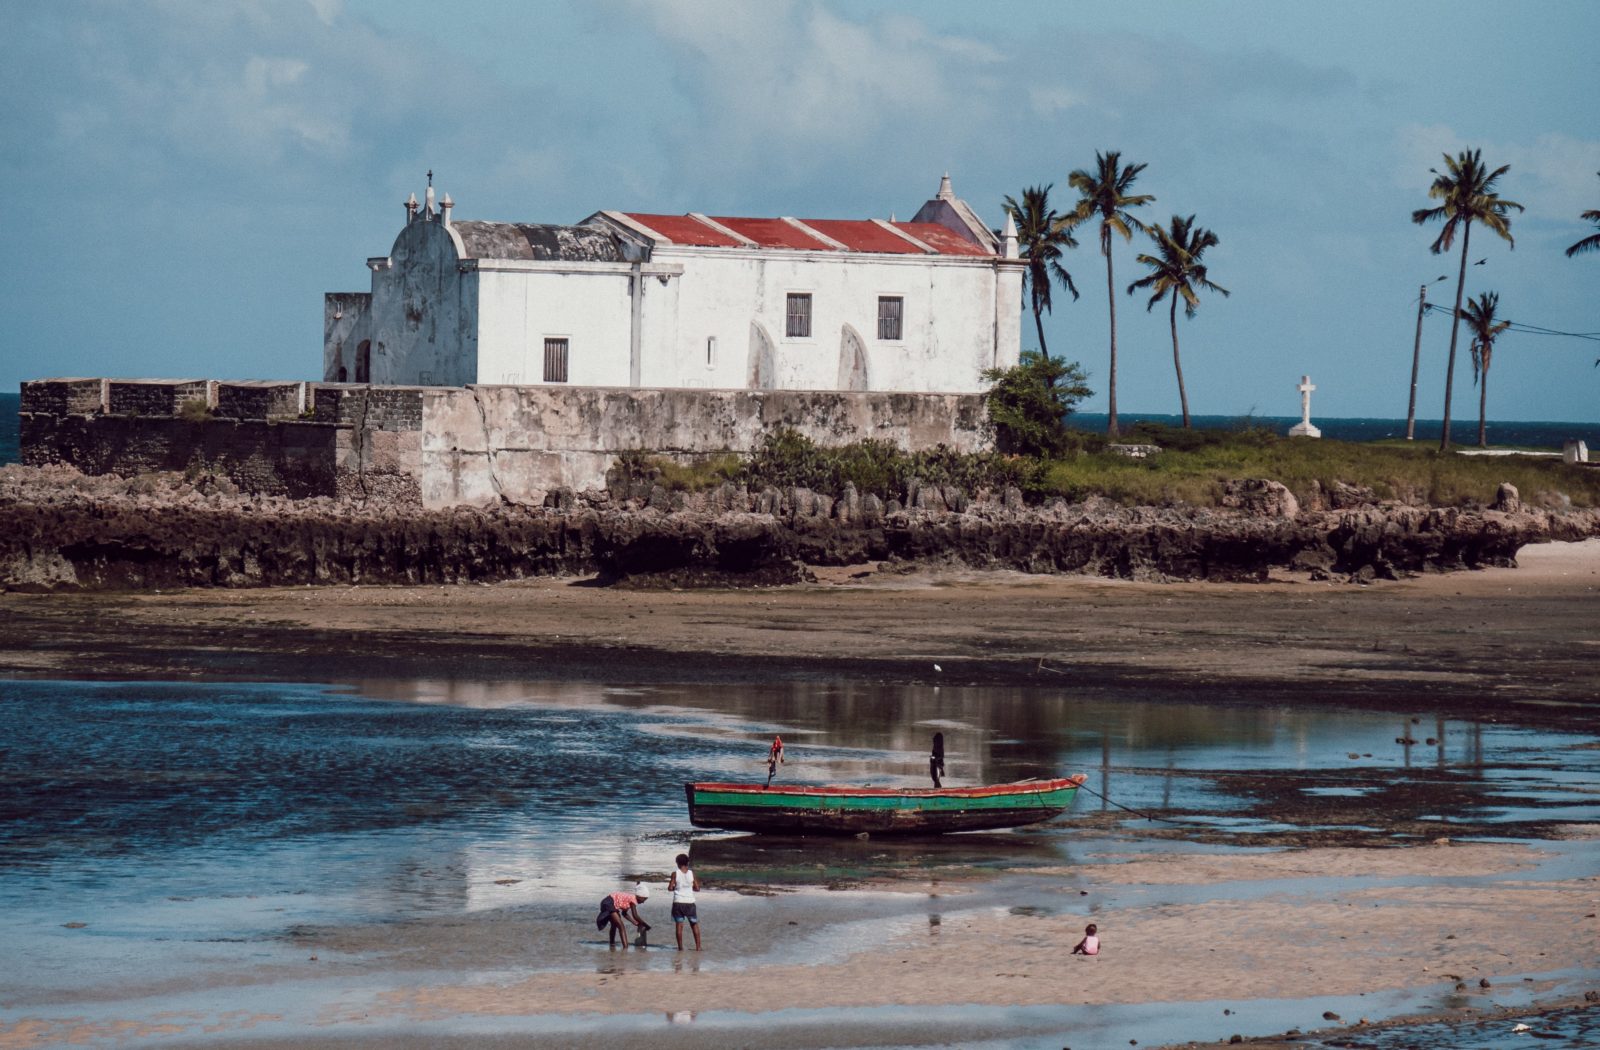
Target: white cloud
point(798, 86)
point(261, 75)
point(1049, 100)
point(327, 10)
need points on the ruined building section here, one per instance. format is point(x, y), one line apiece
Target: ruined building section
point(347, 337)
point(444, 446)
point(632, 299)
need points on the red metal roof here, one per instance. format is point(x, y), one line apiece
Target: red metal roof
point(773, 233)
point(858, 235)
point(862, 235)
point(947, 241)
point(684, 229)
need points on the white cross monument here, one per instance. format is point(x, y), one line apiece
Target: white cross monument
point(1304, 427)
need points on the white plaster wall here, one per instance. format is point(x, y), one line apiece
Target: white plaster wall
point(424, 311)
point(1008, 317)
point(518, 309)
point(433, 322)
point(668, 358)
point(948, 338)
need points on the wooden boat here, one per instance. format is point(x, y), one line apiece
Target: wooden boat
point(830, 810)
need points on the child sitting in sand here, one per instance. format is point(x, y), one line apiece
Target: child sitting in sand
point(1090, 945)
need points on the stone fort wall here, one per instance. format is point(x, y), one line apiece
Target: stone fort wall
point(445, 446)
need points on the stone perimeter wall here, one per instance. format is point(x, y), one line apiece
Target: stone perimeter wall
point(444, 446)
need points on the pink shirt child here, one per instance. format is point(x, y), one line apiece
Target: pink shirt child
point(1091, 945)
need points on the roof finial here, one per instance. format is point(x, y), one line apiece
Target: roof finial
point(430, 176)
point(428, 211)
point(945, 192)
point(444, 208)
point(1009, 238)
point(411, 209)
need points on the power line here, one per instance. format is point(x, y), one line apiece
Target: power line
point(1527, 329)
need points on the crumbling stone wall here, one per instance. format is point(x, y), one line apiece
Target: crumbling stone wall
point(446, 446)
point(253, 434)
point(156, 397)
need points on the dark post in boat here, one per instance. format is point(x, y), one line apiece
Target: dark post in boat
point(829, 810)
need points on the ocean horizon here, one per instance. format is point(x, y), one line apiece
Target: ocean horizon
point(1519, 433)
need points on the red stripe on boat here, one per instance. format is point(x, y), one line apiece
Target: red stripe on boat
point(1028, 788)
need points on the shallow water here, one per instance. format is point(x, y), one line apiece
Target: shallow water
point(216, 830)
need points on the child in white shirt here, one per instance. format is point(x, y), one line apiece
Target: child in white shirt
point(684, 885)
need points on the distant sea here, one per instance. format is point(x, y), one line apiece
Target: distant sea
point(1464, 431)
point(9, 405)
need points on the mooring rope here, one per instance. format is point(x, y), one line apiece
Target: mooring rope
point(1138, 812)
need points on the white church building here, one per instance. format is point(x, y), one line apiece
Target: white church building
point(644, 300)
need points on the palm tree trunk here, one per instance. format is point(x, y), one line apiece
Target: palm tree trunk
point(1483, 400)
point(1455, 330)
point(1039, 324)
point(1111, 297)
point(1183, 397)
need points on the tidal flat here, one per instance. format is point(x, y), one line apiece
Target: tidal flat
point(209, 836)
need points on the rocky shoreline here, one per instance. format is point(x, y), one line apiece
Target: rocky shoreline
point(61, 530)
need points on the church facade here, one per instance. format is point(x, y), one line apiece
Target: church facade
point(630, 299)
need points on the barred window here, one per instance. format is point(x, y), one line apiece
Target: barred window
point(891, 308)
point(799, 316)
point(555, 360)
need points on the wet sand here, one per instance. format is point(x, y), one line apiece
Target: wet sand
point(1514, 645)
point(1325, 927)
point(1506, 643)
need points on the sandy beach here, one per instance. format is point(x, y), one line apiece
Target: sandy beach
point(1316, 923)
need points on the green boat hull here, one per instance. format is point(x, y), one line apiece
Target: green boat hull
point(852, 811)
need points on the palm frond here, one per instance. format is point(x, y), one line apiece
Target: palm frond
point(1590, 243)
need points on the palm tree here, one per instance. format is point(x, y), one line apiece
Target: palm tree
point(1467, 190)
point(1485, 328)
point(1590, 243)
point(1177, 268)
point(1041, 235)
point(1104, 193)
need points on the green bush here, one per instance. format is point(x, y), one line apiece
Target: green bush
point(194, 410)
point(1029, 404)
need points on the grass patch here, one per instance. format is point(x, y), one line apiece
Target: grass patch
point(1192, 470)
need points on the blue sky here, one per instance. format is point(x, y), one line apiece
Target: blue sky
point(186, 178)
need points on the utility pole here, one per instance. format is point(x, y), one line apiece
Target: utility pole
point(1416, 358)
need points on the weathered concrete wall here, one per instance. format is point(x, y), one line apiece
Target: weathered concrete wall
point(346, 326)
point(424, 326)
point(486, 443)
point(448, 446)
